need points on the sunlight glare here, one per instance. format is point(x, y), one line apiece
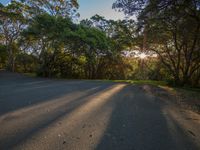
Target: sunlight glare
point(142, 56)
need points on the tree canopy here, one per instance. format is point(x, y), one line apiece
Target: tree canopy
point(42, 37)
point(171, 29)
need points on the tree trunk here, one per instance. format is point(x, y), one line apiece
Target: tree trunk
point(11, 60)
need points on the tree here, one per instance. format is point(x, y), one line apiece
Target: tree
point(3, 56)
point(11, 25)
point(93, 44)
point(66, 41)
point(123, 32)
point(51, 39)
point(64, 8)
point(121, 35)
point(172, 30)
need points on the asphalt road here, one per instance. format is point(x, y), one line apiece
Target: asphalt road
point(47, 114)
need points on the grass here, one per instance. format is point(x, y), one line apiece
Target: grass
point(30, 74)
point(141, 82)
point(161, 84)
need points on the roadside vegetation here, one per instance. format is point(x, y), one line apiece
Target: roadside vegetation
point(161, 46)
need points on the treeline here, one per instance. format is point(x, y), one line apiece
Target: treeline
point(41, 36)
point(44, 37)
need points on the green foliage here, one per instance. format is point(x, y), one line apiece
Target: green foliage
point(171, 29)
point(63, 8)
point(26, 63)
point(3, 56)
point(12, 24)
point(40, 37)
point(70, 50)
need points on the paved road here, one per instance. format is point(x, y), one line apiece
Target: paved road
point(44, 114)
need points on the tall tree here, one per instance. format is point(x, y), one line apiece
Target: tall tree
point(121, 35)
point(51, 39)
point(64, 8)
point(11, 25)
point(172, 30)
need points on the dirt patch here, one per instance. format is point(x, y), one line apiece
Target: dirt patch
point(184, 98)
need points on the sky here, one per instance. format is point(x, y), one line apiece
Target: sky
point(89, 8)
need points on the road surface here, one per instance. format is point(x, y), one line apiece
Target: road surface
point(47, 114)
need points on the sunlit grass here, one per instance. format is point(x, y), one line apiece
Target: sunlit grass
point(141, 82)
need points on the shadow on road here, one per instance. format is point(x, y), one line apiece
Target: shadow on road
point(29, 112)
point(17, 91)
point(138, 123)
point(120, 117)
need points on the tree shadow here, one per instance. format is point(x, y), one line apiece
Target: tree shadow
point(17, 91)
point(46, 119)
point(138, 123)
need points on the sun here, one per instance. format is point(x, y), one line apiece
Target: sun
point(142, 56)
